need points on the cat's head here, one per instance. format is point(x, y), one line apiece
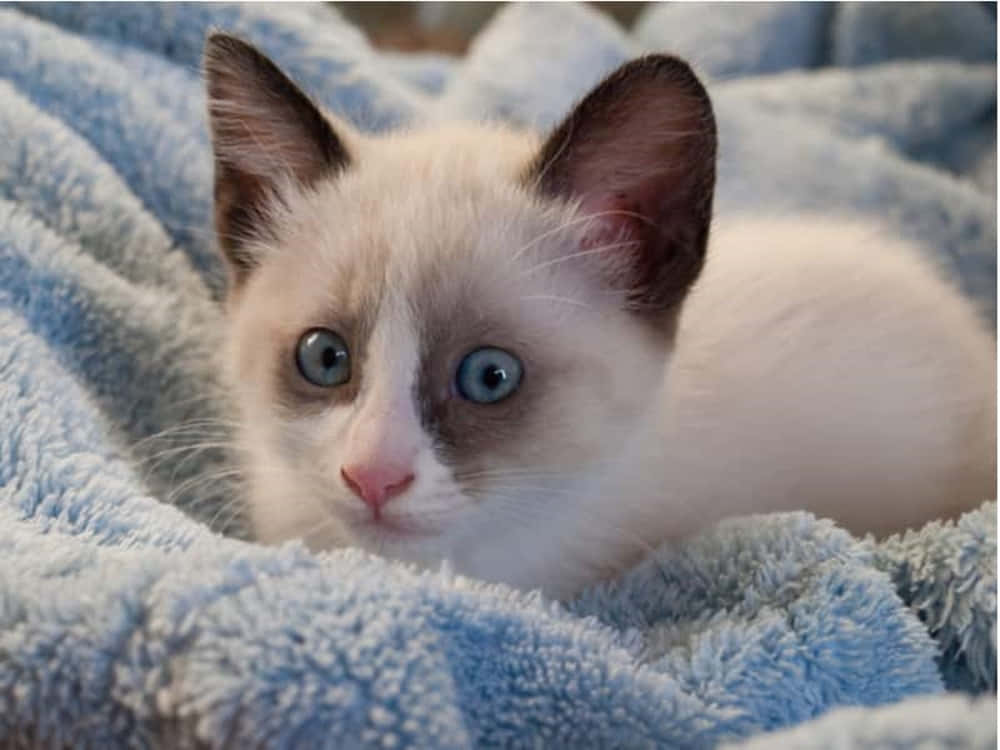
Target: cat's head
point(441, 342)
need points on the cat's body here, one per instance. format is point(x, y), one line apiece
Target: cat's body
point(850, 378)
point(815, 365)
point(819, 365)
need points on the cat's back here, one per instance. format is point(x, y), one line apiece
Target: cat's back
point(825, 365)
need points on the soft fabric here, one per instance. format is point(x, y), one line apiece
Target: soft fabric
point(126, 622)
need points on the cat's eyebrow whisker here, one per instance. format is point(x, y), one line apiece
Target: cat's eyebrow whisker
point(582, 219)
point(554, 298)
point(549, 232)
point(575, 254)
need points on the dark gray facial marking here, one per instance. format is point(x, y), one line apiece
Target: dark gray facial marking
point(295, 393)
point(471, 437)
point(468, 436)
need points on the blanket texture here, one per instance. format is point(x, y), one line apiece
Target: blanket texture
point(127, 621)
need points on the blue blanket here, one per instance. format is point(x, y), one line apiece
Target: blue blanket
point(127, 621)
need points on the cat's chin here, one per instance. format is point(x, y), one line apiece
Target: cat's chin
point(390, 539)
point(391, 528)
point(390, 535)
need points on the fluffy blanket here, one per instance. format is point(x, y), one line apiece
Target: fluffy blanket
point(126, 621)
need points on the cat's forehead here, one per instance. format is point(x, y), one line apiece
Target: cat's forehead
point(456, 196)
point(444, 225)
point(450, 154)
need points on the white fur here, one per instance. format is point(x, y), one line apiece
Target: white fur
point(824, 366)
point(818, 365)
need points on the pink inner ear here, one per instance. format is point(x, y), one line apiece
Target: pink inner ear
point(638, 152)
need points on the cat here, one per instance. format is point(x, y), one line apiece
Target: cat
point(479, 345)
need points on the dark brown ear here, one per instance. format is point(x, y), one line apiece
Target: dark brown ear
point(265, 133)
point(638, 153)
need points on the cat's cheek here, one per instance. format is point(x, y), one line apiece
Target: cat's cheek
point(276, 512)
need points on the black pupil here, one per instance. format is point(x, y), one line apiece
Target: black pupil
point(329, 357)
point(493, 376)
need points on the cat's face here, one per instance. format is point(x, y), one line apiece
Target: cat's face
point(440, 342)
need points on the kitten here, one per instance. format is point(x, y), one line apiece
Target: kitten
point(474, 345)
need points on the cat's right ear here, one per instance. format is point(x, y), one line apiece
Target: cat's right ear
point(266, 133)
point(638, 155)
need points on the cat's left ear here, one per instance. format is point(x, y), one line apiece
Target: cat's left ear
point(638, 155)
point(266, 134)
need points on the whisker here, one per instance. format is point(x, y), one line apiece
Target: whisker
point(576, 220)
point(181, 429)
point(575, 254)
point(157, 458)
point(197, 480)
point(555, 298)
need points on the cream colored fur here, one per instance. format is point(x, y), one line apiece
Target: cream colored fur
point(818, 366)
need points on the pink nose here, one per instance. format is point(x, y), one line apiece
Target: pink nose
point(376, 485)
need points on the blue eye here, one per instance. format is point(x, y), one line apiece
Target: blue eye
point(488, 375)
point(323, 358)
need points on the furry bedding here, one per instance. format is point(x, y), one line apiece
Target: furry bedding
point(126, 620)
